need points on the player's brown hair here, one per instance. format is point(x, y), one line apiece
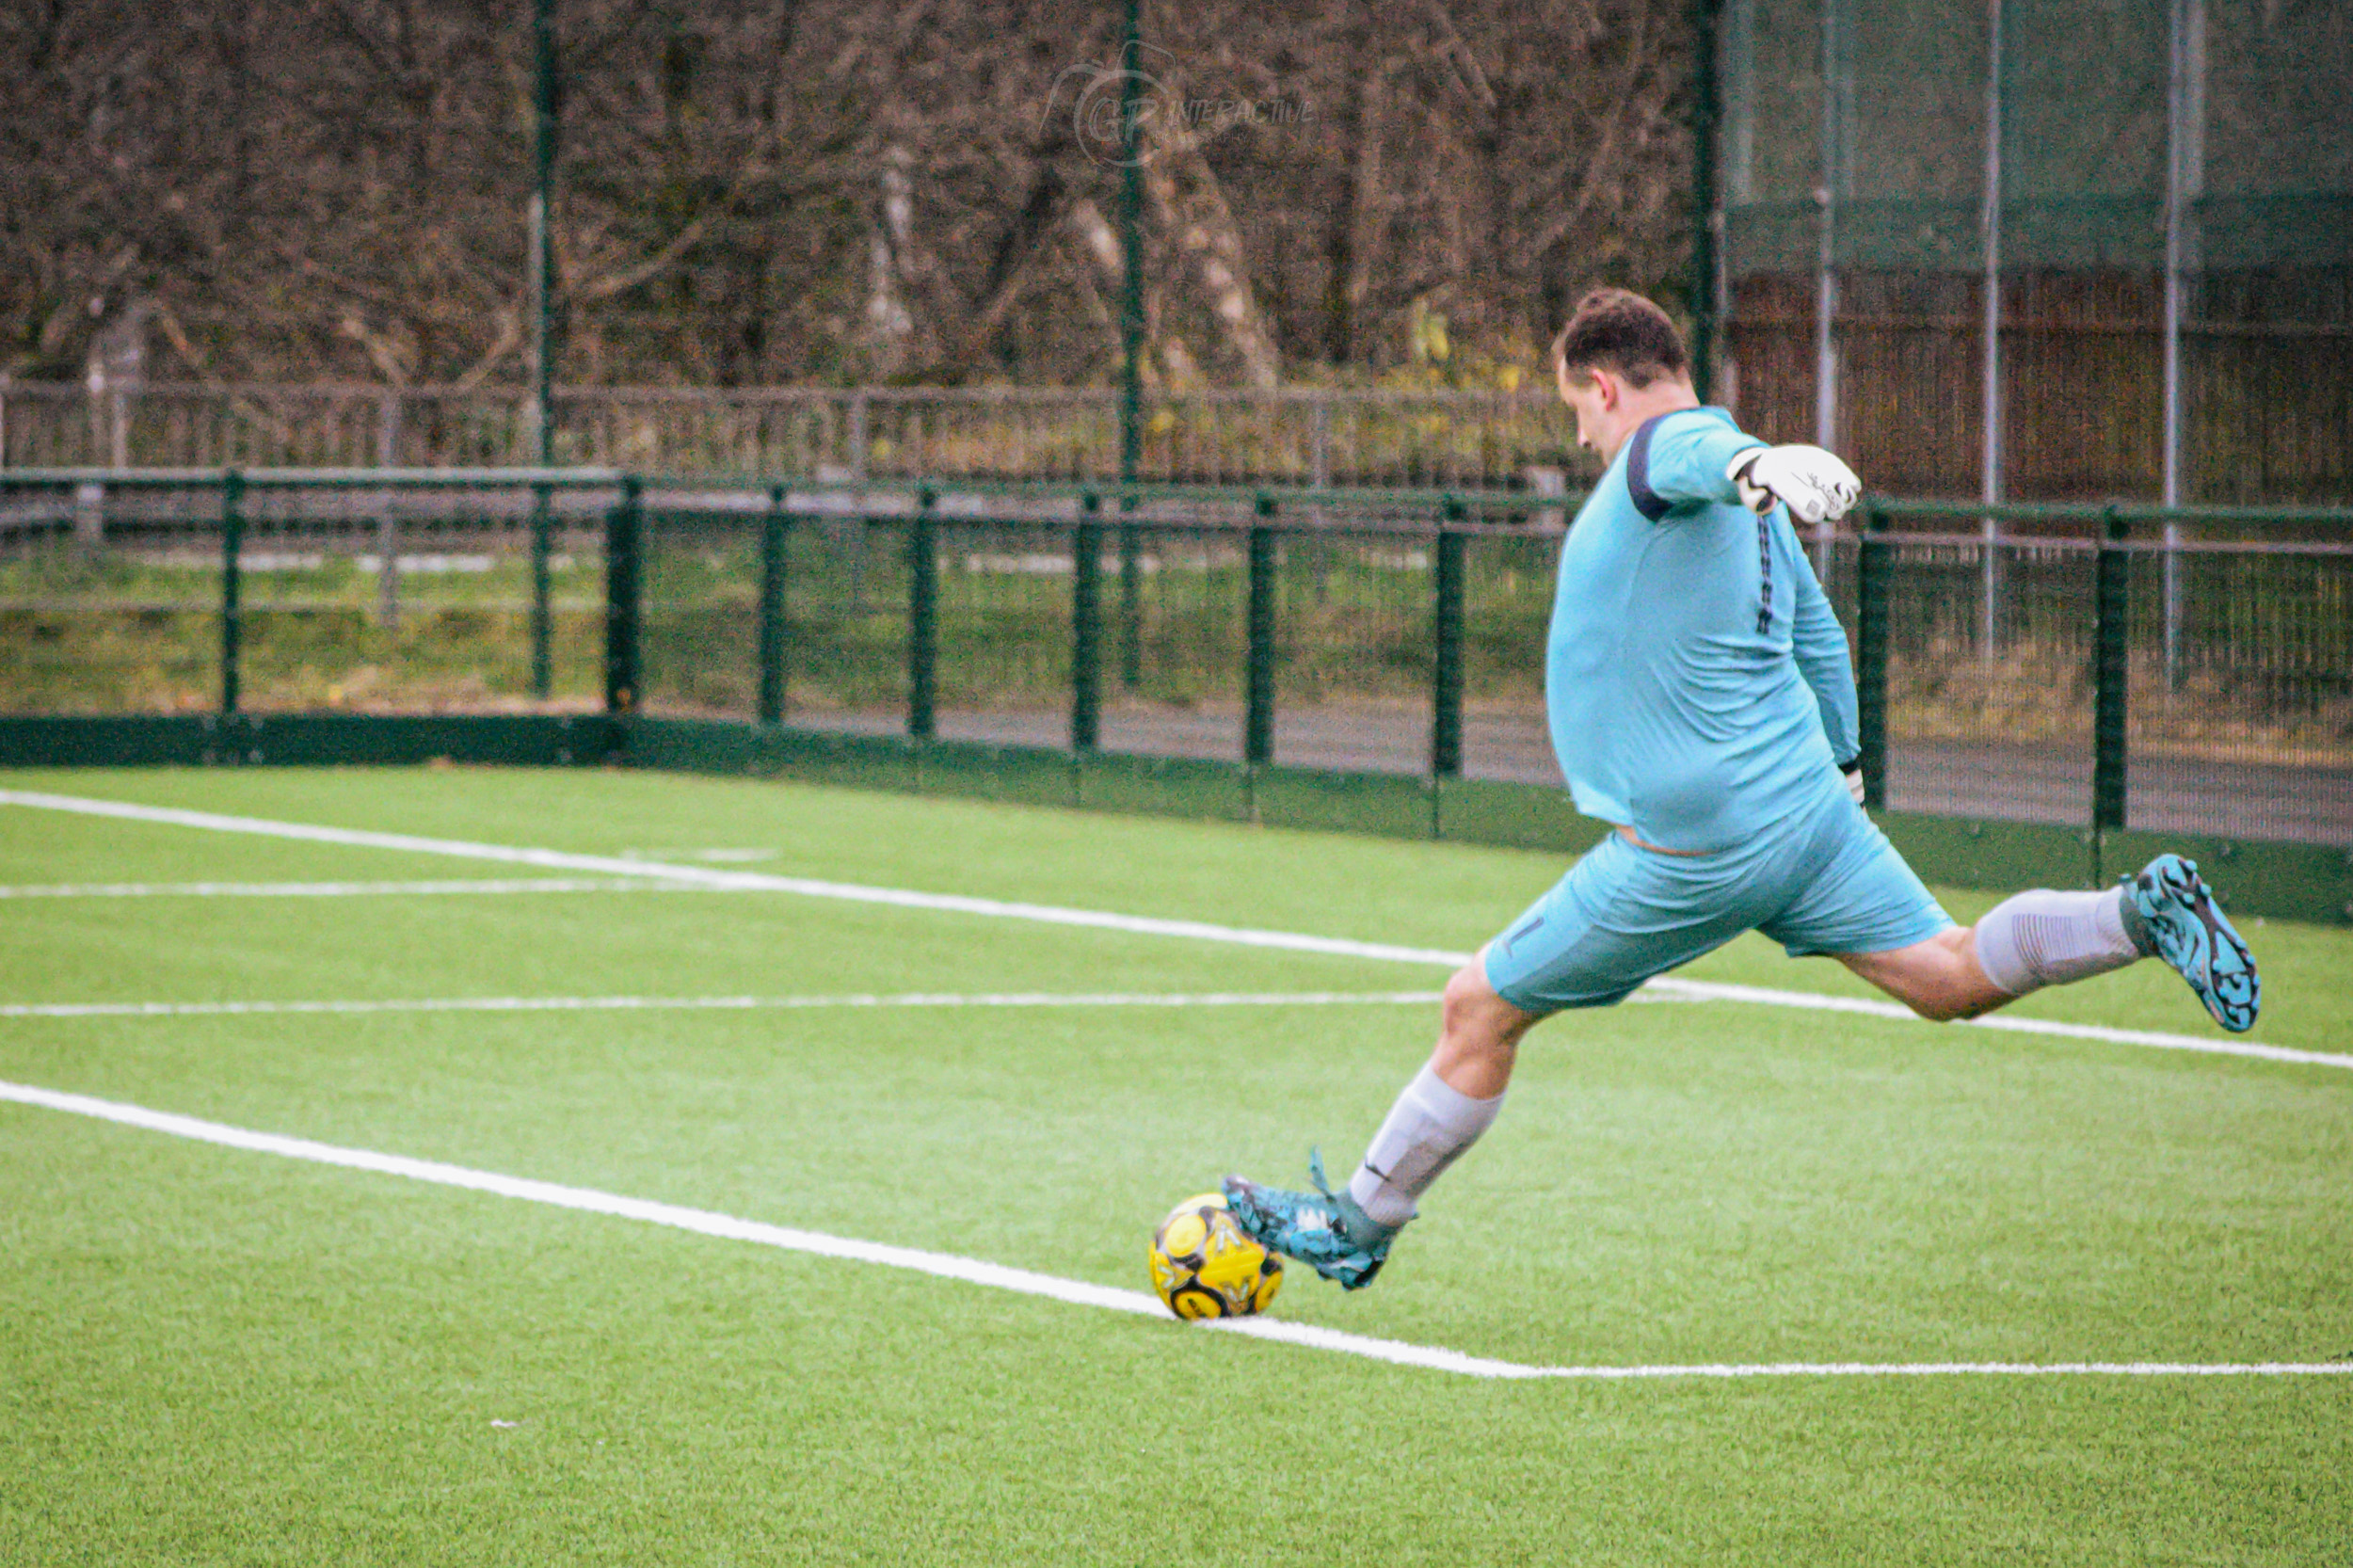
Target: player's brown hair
point(1622, 332)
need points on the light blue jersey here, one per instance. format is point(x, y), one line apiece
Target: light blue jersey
point(1696, 678)
point(1699, 694)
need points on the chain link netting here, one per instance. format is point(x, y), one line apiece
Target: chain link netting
point(111, 600)
point(2240, 695)
point(110, 603)
point(2135, 209)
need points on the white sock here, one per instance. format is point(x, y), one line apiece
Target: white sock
point(2047, 938)
point(1428, 1126)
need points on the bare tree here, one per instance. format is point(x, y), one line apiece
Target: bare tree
point(778, 191)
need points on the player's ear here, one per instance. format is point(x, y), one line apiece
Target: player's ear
point(1605, 386)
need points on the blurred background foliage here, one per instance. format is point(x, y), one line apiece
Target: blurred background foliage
point(826, 191)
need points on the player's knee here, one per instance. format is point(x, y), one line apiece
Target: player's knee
point(1474, 1019)
point(1466, 996)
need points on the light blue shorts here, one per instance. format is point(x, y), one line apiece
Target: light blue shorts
point(1830, 883)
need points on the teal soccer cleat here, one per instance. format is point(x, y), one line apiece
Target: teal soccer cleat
point(2179, 921)
point(1325, 1230)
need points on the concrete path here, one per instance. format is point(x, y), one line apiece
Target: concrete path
point(1986, 780)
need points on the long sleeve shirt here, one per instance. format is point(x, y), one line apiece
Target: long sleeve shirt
point(1696, 678)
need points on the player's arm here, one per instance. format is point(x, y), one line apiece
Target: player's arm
point(1674, 462)
point(1678, 460)
point(1819, 644)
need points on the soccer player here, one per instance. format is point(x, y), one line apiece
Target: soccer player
point(1701, 703)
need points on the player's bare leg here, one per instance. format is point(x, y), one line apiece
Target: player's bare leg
point(2050, 938)
point(1939, 979)
point(1345, 1235)
point(1479, 1034)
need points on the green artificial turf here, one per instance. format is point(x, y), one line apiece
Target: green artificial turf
point(210, 1355)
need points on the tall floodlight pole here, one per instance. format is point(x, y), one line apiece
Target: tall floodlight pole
point(1706, 210)
point(542, 260)
point(1989, 395)
point(1834, 174)
point(1826, 230)
point(1131, 338)
point(1131, 223)
point(2185, 178)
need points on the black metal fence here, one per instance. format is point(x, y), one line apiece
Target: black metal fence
point(2106, 666)
point(2099, 668)
point(1346, 633)
point(160, 592)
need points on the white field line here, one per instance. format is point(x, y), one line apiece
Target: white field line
point(1076, 1292)
point(348, 889)
point(1702, 990)
point(609, 865)
point(1097, 919)
point(631, 1004)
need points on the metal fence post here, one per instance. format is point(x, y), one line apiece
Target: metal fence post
point(231, 547)
point(1130, 599)
point(387, 522)
point(1446, 694)
point(542, 632)
point(89, 517)
point(1990, 590)
point(2110, 626)
point(1875, 572)
point(1086, 625)
point(388, 565)
point(623, 597)
point(772, 628)
point(1258, 698)
point(923, 616)
point(2172, 605)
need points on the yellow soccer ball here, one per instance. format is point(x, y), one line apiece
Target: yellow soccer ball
point(1204, 1266)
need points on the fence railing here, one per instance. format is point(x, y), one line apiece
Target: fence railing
point(1906, 423)
point(2097, 667)
point(1309, 437)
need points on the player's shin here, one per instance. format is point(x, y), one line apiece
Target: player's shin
point(2052, 938)
point(1427, 1129)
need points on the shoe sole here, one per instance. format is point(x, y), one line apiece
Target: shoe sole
point(2195, 938)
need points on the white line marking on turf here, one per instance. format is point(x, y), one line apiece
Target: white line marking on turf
point(623, 1004)
point(351, 890)
point(709, 857)
point(1099, 919)
point(1702, 990)
point(1076, 1292)
point(609, 865)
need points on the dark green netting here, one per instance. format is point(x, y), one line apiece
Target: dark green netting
point(2173, 228)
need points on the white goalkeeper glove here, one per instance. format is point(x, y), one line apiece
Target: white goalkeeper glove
point(1852, 773)
point(1812, 483)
